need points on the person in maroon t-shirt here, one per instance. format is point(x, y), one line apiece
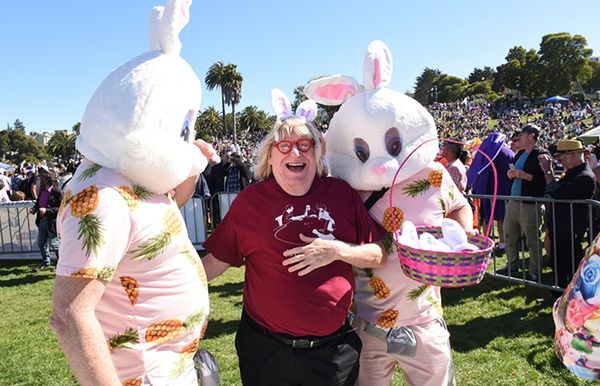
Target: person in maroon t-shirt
point(298, 232)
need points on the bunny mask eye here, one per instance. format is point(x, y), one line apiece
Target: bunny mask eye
point(361, 149)
point(393, 143)
point(188, 126)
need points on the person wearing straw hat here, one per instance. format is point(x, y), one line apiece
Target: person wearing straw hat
point(578, 182)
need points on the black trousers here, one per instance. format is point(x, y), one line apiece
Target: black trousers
point(266, 361)
point(564, 256)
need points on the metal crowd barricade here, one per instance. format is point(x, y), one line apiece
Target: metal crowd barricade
point(546, 276)
point(18, 232)
point(219, 206)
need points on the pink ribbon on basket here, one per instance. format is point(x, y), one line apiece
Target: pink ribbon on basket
point(490, 223)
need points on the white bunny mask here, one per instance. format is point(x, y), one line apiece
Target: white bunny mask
point(140, 119)
point(376, 128)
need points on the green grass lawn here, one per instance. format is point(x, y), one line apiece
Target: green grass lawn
point(501, 332)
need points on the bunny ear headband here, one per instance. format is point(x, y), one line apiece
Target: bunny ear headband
point(283, 109)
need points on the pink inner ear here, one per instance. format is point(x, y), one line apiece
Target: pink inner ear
point(376, 72)
point(335, 91)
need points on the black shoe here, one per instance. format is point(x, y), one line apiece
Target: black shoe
point(499, 251)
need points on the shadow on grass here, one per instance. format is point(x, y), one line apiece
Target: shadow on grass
point(28, 279)
point(226, 289)
point(21, 273)
point(479, 332)
point(219, 327)
point(22, 270)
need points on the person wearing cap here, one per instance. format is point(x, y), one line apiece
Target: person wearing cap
point(525, 217)
point(577, 183)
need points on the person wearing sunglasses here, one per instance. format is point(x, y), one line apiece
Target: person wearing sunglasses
point(298, 232)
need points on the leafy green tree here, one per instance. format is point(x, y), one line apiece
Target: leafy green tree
point(522, 71)
point(498, 85)
point(479, 74)
point(593, 84)
point(481, 88)
point(450, 88)
point(424, 84)
point(62, 145)
point(208, 125)
point(564, 61)
point(216, 78)
point(16, 146)
point(299, 97)
point(18, 125)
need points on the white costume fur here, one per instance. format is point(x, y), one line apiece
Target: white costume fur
point(367, 112)
point(133, 122)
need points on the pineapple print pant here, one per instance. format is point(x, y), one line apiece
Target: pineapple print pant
point(265, 361)
point(431, 365)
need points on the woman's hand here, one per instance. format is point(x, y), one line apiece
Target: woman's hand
point(317, 253)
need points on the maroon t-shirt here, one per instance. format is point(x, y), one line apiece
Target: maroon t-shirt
point(264, 221)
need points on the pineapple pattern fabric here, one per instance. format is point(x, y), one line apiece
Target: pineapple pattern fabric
point(385, 296)
point(155, 305)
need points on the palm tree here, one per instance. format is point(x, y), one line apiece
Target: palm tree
point(232, 88)
point(208, 123)
point(249, 118)
point(62, 145)
point(215, 77)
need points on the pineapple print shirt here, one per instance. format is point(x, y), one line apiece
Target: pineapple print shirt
point(156, 298)
point(385, 296)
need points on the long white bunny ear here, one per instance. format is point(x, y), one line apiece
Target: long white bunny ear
point(332, 90)
point(175, 16)
point(280, 104)
point(155, 16)
point(307, 109)
point(377, 67)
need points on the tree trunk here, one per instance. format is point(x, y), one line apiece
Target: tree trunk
point(234, 133)
point(223, 110)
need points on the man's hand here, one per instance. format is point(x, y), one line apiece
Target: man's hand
point(42, 211)
point(545, 162)
point(512, 174)
point(317, 253)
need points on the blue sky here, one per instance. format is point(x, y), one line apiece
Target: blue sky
point(55, 53)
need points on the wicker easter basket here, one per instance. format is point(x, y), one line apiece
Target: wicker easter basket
point(447, 269)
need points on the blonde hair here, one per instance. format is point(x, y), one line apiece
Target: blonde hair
point(283, 130)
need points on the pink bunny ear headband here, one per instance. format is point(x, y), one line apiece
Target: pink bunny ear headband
point(283, 109)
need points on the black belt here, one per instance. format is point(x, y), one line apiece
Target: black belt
point(297, 342)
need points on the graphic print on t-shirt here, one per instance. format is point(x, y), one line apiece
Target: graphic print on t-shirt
point(310, 221)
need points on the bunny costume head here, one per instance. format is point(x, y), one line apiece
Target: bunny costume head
point(140, 121)
point(376, 128)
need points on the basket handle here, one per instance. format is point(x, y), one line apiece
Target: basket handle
point(491, 222)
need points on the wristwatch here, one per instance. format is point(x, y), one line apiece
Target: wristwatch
point(549, 172)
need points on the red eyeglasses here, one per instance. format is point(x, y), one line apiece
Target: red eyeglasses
point(302, 144)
